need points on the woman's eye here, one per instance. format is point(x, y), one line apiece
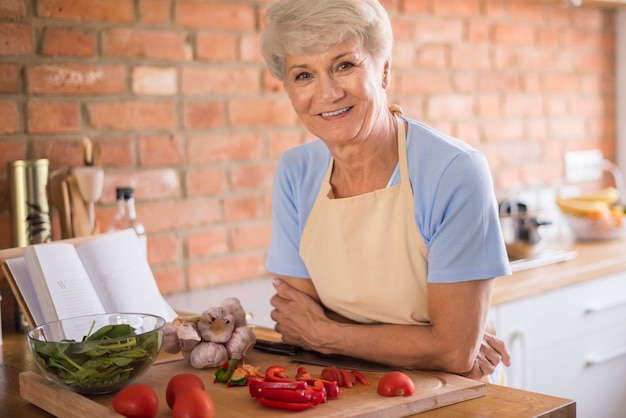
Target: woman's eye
point(345, 66)
point(303, 76)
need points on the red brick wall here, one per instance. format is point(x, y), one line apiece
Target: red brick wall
point(176, 93)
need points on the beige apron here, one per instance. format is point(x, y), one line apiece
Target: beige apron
point(365, 255)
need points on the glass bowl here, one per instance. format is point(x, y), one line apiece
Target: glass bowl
point(588, 228)
point(97, 353)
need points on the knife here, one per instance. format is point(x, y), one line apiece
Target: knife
point(345, 362)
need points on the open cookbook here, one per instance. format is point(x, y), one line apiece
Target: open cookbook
point(106, 274)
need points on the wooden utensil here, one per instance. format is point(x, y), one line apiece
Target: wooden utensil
point(80, 218)
point(60, 200)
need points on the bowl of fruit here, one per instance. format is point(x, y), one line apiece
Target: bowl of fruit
point(97, 353)
point(595, 216)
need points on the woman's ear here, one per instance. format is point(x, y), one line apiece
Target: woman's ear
point(386, 75)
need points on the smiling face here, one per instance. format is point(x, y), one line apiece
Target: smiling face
point(338, 94)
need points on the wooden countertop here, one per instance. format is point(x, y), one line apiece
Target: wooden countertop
point(499, 401)
point(593, 260)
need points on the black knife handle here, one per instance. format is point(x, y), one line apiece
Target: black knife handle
point(276, 347)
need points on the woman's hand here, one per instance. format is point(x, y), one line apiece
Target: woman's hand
point(298, 315)
point(493, 351)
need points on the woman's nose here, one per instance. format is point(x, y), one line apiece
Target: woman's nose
point(329, 89)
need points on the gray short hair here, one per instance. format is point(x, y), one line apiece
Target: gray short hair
point(304, 27)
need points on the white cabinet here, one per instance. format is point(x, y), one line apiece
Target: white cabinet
point(571, 343)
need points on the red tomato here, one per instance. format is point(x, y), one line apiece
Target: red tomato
point(396, 384)
point(180, 383)
point(136, 401)
point(194, 403)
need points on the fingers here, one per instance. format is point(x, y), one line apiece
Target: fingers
point(500, 347)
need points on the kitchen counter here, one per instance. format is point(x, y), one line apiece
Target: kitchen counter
point(593, 260)
point(499, 401)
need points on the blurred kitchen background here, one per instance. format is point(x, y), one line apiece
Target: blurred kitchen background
point(177, 97)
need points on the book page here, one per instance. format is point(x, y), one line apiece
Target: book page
point(24, 283)
point(60, 279)
point(122, 275)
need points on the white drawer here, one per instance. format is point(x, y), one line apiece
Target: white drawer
point(573, 311)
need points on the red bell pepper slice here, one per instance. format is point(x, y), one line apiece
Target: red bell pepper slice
point(318, 396)
point(283, 395)
point(332, 389)
point(276, 374)
point(360, 377)
point(291, 406)
point(303, 374)
point(292, 384)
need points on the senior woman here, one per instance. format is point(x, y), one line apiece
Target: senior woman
point(385, 237)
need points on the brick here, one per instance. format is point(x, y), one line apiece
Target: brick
point(438, 30)
point(241, 208)
point(478, 31)
point(85, 79)
point(154, 184)
point(16, 39)
point(62, 154)
point(488, 105)
point(154, 12)
point(9, 78)
point(259, 112)
point(280, 141)
point(590, 18)
point(431, 57)
point(203, 243)
point(5, 239)
point(152, 44)
point(220, 80)
point(561, 82)
point(11, 150)
point(119, 11)
point(524, 11)
point(270, 84)
point(522, 105)
point(475, 57)
point(117, 152)
point(171, 215)
point(160, 150)
point(12, 9)
point(255, 176)
point(216, 47)
point(503, 131)
point(203, 115)
point(251, 236)
point(222, 16)
point(224, 147)
point(71, 42)
point(164, 248)
point(514, 34)
point(9, 117)
point(53, 117)
point(250, 48)
point(205, 181)
point(466, 8)
point(170, 279)
point(233, 269)
point(154, 81)
point(423, 83)
point(132, 115)
point(402, 29)
point(450, 106)
point(415, 7)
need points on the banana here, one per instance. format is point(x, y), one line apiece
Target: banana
point(609, 195)
point(582, 207)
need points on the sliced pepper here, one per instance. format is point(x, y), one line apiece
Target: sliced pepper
point(224, 373)
point(276, 374)
point(303, 374)
point(291, 406)
point(292, 384)
point(284, 395)
point(360, 377)
point(238, 378)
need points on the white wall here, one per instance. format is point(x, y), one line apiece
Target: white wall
point(620, 25)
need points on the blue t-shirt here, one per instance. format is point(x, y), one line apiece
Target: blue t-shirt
point(455, 207)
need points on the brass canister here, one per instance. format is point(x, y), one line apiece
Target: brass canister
point(28, 202)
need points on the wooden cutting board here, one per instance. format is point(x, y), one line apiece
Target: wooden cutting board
point(433, 390)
